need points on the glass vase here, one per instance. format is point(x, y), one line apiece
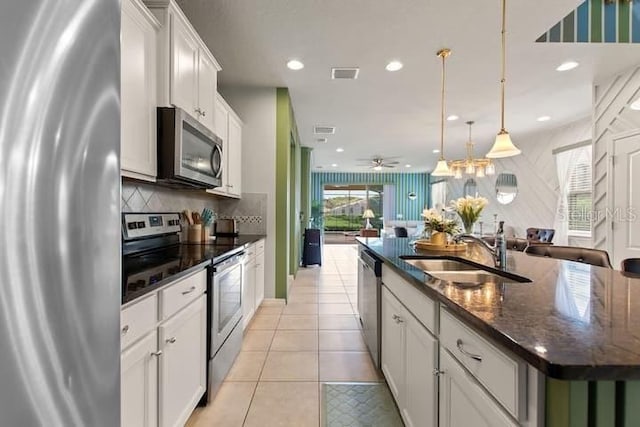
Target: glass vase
point(468, 226)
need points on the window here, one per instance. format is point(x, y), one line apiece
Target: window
point(579, 196)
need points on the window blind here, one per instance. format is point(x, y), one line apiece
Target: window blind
point(580, 193)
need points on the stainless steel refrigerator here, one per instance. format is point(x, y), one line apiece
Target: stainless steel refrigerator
point(60, 205)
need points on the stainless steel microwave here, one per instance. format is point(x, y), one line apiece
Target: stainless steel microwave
point(189, 154)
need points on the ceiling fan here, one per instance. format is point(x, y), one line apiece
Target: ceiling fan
point(378, 163)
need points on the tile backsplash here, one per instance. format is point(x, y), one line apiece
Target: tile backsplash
point(250, 212)
point(140, 197)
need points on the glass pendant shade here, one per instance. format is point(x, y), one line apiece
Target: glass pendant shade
point(480, 172)
point(458, 173)
point(490, 169)
point(470, 169)
point(503, 147)
point(442, 169)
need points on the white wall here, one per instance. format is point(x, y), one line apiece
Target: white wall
point(612, 115)
point(257, 109)
point(535, 168)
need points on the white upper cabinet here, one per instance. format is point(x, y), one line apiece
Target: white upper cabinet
point(184, 68)
point(138, 91)
point(228, 127)
point(188, 70)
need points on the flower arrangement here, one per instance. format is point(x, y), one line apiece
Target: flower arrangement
point(469, 209)
point(435, 222)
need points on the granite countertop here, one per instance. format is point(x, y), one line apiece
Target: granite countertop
point(573, 321)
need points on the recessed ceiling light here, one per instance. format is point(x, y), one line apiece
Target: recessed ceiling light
point(334, 165)
point(339, 150)
point(394, 66)
point(407, 166)
point(295, 65)
point(452, 117)
point(566, 66)
point(543, 118)
point(635, 105)
point(436, 151)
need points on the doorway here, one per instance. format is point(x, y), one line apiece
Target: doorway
point(344, 207)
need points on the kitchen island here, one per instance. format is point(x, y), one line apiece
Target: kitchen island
point(572, 323)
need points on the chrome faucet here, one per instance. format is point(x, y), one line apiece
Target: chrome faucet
point(498, 251)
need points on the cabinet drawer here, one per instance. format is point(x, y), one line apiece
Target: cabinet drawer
point(138, 319)
point(420, 305)
point(251, 252)
point(182, 293)
point(260, 247)
point(503, 376)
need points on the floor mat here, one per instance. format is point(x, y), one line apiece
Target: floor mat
point(358, 404)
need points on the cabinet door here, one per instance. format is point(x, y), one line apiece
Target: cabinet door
point(248, 293)
point(463, 402)
point(393, 344)
point(234, 148)
point(183, 363)
point(419, 407)
point(207, 84)
point(139, 383)
point(138, 91)
point(184, 67)
point(259, 279)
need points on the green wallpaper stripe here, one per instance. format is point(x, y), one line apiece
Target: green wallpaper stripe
point(597, 21)
point(404, 183)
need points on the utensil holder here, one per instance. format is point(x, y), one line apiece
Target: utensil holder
point(195, 233)
point(206, 232)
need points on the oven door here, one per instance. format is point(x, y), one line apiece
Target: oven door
point(226, 300)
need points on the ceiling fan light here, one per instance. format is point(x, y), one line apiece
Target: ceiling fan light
point(490, 169)
point(503, 147)
point(377, 168)
point(442, 169)
point(458, 173)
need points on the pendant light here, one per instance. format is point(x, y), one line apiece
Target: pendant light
point(471, 165)
point(503, 146)
point(442, 168)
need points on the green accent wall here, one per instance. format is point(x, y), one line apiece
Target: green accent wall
point(592, 403)
point(287, 192)
point(598, 21)
point(403, 182)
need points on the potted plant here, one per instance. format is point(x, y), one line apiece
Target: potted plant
point(438, 226)
point(469, 210)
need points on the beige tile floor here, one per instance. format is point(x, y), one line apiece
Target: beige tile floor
point(288, 350)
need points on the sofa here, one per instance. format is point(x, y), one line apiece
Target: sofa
point(414, 228)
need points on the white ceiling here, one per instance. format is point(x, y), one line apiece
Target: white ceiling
point(397, 114)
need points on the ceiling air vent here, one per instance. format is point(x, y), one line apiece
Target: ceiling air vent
point(324, 130)
point(321, 140)
point(350, 73)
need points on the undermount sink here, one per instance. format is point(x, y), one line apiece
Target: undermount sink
point(462, 274)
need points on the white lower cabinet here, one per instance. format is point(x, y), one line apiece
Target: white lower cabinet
point(408, 362)
point(163, 362)
point(183, 363)
point(139, 379)
point(259, 273)
point(248, 292)
point(463, 402)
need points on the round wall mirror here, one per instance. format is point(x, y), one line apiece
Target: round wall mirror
point(506, 188)
point(470, 188)
point(412, 196)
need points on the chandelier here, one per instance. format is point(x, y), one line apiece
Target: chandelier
point(470, 165)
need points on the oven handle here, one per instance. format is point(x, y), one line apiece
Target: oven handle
point(229, 263)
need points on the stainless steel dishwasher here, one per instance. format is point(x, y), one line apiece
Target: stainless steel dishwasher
point(369, 301)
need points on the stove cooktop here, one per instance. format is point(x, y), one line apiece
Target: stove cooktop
point(142, 273)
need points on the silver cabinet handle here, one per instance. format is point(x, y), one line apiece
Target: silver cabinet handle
point(398, 319)
point(460, 345)
point(191, 289)
point(171, 340)
point(157, 353)
point(125, 329)
point(437, 372)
